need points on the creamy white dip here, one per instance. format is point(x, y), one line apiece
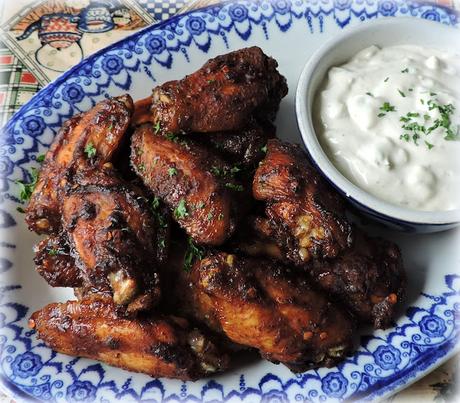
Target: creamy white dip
point(383, 119)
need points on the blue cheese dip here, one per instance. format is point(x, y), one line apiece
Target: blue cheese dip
point(389, 121)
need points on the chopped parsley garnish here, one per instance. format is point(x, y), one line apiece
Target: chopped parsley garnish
point(194, 252)
point(415, 128)
point(20, 210)
point(402, 93)
point(90, 150)
point(181, 210)
point(235, 187)
point(264, 149)
point(141, 167)
point(387, 107)
point(155, 203)
point(52, 252)
point(429, 145)
point(406, 70)
point(225, 171)
point(370, 94)
point(200, 205)
point(26, 189)
point(40, 158)
point(210, 216)
point(386, 79)
point(172, 171)
point(157, 127)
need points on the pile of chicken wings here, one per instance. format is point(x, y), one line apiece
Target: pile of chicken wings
point(189, 233)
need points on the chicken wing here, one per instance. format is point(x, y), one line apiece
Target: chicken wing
point(308, 218)
point(88, 139)
point(261, 304)
point(55, 264)
point(112, 235)
point(157, 345)
point(223, 95)
point(367, 278)
point(189, 179)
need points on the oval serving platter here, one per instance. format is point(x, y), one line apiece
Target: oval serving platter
point(427, 328)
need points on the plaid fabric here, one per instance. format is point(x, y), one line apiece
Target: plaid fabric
point(17, 84)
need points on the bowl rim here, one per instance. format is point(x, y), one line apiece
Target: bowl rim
point(319, 158)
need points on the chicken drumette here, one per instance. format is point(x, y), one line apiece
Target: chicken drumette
point(191, 180)
point(225, 94)
point(306, 216)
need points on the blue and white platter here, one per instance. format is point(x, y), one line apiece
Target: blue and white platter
point(426, 331)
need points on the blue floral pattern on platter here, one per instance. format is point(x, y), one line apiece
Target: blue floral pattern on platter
point(385, 360)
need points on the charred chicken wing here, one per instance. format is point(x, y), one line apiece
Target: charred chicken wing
point(369, 278)
point(157, 345)
point(261, 304)
point(88, 139)
point(112, 236)
point(308, 218)
point(223, 95)
point(187, 177)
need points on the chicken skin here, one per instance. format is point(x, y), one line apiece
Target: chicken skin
point(368, 278)
point(223, 95)
point(261, 304)
point(55, 264)
point(88, 139)
point(156, 345)
point(187, 177)
point(112, 236)
point(308, 218)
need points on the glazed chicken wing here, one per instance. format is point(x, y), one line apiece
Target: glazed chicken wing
point(88, 139)
point(261, 304)
point(112, 235)
point(308, 218)
point(157, 345)
point(187, 178)
point(223, 95)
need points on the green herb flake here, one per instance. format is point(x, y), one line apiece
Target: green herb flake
point(429, 145)
point(406, 70)
point(386, 79)
point(200, 205)
point(221, 216)
point(90, 150)
point(402, 93)
point(387, 107)
point(52, 252)
point(155, 204)
point(210, 216)
point(157, 127)
point(237, 188)
point(181, 210)
point(264, 149)
point(381, 115)
point(370, 94)
point(20, 210)
point(40, 158)
point(405, 137)
point(172, 171)
point(26, 189)
point(194, 253)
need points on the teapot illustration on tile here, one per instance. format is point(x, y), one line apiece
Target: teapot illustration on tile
point(59, 35)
